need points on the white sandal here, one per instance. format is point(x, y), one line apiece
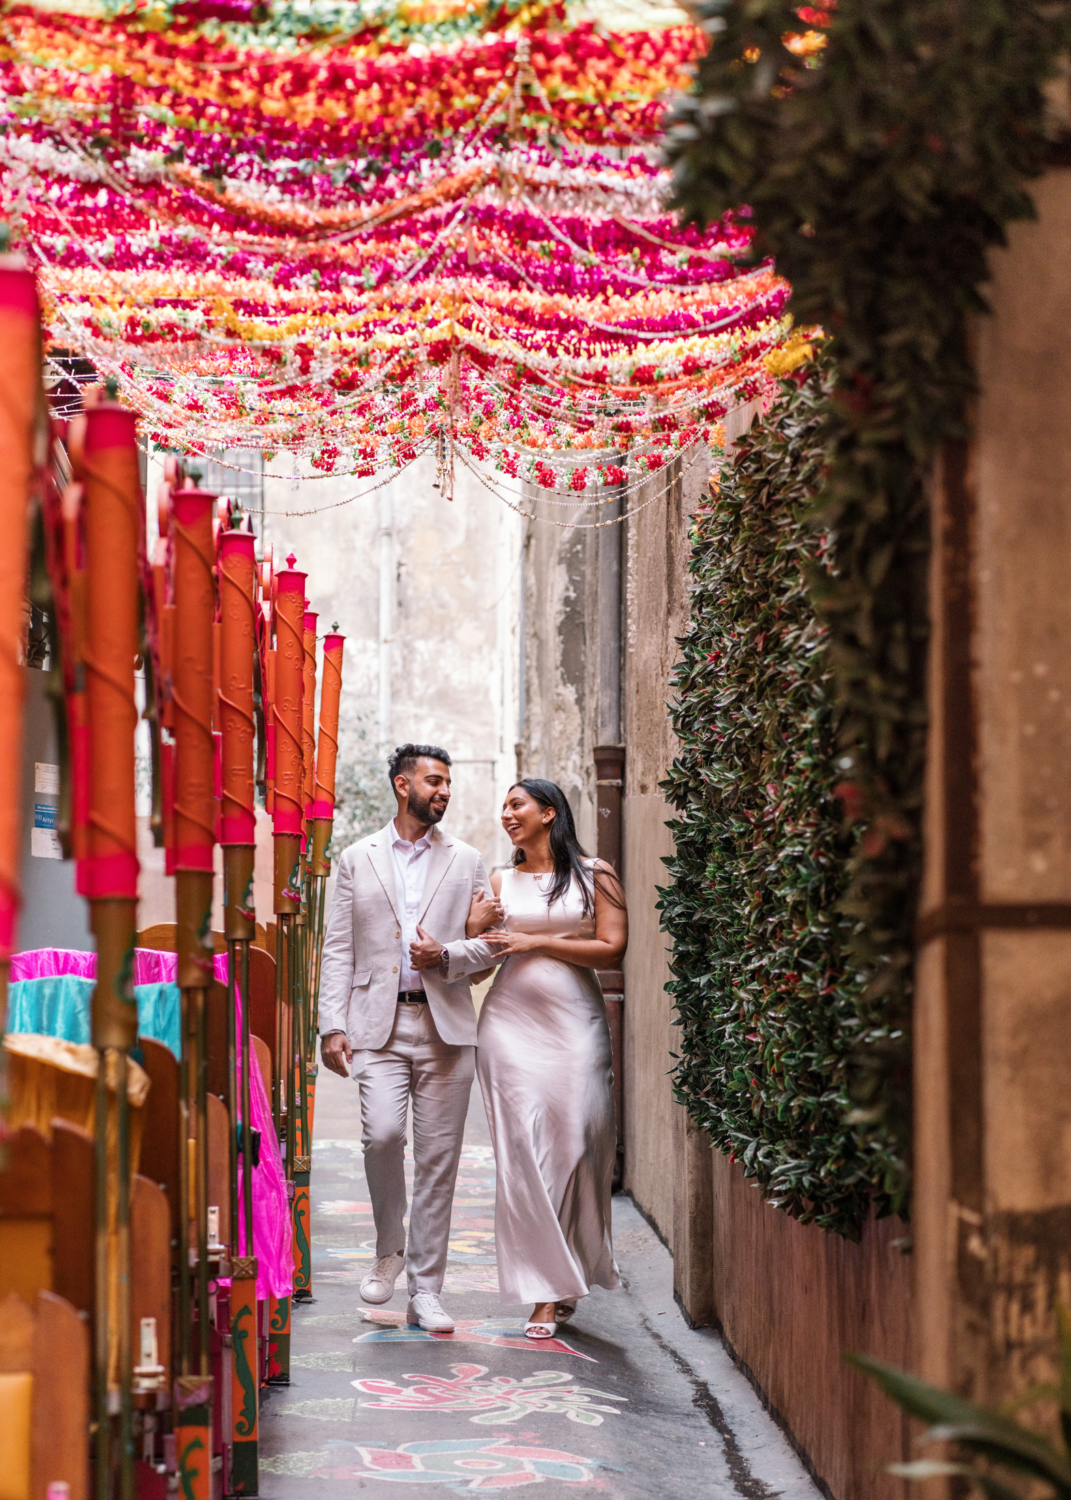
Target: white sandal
point(537, 1331)
point(564, 1311)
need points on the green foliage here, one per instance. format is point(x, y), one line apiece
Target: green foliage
point(879, 173)
point(769, 990)
point(995, 1438)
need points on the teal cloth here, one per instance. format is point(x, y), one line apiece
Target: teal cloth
point(56, 1006)
point(61, 1006)
point(158, 1014)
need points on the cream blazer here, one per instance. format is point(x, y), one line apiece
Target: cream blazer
point(362, 945)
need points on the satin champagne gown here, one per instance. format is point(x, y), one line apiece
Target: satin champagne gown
point(543, 1057)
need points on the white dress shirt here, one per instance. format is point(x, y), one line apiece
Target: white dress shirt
point(411, 868)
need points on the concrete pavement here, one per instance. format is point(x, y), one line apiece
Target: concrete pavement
point(628, 1402)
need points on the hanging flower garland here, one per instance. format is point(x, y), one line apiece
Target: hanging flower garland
point(363, 249)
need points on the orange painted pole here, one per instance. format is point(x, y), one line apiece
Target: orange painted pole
point(194, 824)
point(308, 703)
point(327, 747)
point(287, 713)
point(238, 645)
point(308, 759)
point(237, 654)
point(21, 418)
point(107, 875)
point(191, 695)
point(112, 509)
point(323, 812)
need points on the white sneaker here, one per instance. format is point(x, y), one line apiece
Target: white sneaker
point(427, 1311)
point(378, 1285)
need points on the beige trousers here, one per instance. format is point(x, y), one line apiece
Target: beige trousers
point(438, 1076)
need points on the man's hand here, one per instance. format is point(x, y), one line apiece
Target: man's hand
point(486, 911)
point(337, 1053)
point(426, 952)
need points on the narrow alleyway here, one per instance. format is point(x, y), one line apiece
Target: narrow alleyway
point(629, 1402)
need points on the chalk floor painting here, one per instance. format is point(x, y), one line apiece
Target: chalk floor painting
point(471, 1266)
point(499, 1399)
point(502, 1333)
point(459, 1464)
point(379, 1411)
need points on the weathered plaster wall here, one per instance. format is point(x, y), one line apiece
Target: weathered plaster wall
point(656, 608)
point(561, 662)
point(448, 670)
point(450, 571)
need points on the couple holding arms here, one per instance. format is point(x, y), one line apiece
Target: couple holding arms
point(413, 920)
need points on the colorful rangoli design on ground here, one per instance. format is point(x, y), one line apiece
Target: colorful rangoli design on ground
point(502, 1333)
point(471, 1266)
point(499, 1399)
point(460, 1464)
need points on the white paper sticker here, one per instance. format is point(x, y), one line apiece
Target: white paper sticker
point(45, 777)
point(45, 844)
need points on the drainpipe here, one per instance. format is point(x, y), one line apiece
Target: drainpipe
point(609, 756)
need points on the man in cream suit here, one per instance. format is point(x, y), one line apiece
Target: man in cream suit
point(390, 1014)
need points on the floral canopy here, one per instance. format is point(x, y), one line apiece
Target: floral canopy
point(360, 232)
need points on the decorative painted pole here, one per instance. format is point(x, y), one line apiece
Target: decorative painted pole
point(323, 812)
point(107, 876)
point(287, 712)
point(237, 578)
point(194, 815)
point(21, 419)
point(302, 993)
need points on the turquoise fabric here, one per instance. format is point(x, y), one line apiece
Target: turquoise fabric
point(158, 1014)
point(61, 1006)
point(56, 1006)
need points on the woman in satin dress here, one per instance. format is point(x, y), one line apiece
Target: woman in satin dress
point(543, 1058)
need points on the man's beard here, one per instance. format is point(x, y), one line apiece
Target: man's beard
point(423, 811)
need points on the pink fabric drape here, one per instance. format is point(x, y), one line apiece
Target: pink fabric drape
point(272, 1231)
point(150, 966)
point(50, 963)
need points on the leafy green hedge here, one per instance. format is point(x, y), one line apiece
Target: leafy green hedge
point(879, 171)
point(772, 991)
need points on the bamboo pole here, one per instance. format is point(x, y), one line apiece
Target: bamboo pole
point(302, 1159)
point(287, 714)
point(308, 756)
point(107, 875)
point(237, 573)
point(323, 807)
point(194, 837)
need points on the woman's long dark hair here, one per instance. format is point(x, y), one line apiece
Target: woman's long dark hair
point(565, 849)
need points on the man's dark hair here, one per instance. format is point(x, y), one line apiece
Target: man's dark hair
point(404, 759)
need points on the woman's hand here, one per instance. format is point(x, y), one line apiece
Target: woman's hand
point(513, 942)
point(484, 912)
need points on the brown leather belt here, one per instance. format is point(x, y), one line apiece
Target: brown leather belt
point(411, 997)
